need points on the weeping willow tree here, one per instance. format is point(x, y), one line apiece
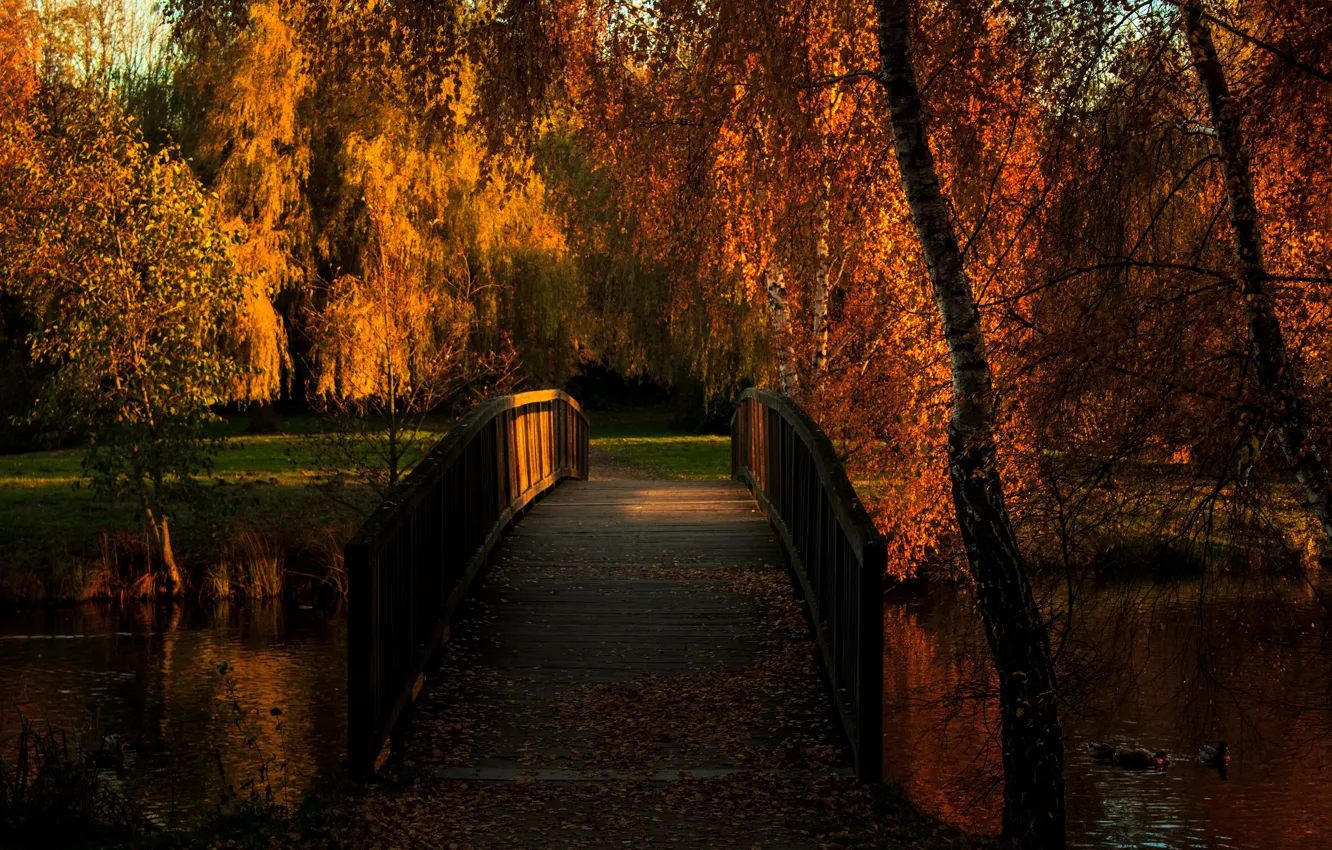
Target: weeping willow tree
point(360, 175)
point(259, 152)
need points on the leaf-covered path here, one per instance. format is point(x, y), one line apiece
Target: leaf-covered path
point(635, 671)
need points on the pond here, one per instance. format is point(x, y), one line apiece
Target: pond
point(1167, 668)
point(1161, 667)
point(151, 675)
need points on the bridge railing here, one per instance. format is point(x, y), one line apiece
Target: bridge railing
point(837, 554)
point(412, 562)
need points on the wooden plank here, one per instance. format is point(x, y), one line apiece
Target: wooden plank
point(627, 637)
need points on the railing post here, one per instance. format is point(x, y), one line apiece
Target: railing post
point(414, 558)
point(870, 709)
point(362, 608)
point(836, 553)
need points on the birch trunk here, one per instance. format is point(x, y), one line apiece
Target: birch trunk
point(779, 307)
point(820, 300)
point(1276, 375)
point(1033, 752)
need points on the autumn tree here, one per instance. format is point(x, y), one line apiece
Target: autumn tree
point(1278, 377)
point(119, 260)
point(1031, 740)
point(336, 137)
point(393, 341)
point(256, 148)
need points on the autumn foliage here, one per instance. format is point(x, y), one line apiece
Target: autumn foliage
point(709, 193)
point(1059, 265)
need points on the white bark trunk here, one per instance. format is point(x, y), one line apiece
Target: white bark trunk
point(779, 308)
point(1276, 374)
point(1031, 739)
point(822, 264)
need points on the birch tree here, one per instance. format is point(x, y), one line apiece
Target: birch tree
point(1031, 740)
point(1277, 376)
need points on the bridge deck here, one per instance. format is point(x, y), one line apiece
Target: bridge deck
point(634, 671)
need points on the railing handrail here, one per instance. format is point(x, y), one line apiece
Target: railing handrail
point(848, 621)
point(414, 559)
point(411, 489)
point(854, 518)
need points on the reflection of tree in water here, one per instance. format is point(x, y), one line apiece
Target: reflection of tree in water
point(940, 721)
point(1206, 661)
point(252, 640)
point(1143, 664)
point(148, 673)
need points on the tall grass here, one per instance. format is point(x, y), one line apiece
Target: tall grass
point(261, 564)
point(247, 562)
point(49, 788)
point(119, 569)
point(217, 580)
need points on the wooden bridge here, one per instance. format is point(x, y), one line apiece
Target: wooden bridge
point(513, 623)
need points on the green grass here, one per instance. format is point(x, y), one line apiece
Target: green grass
point(50, 521)
point(47, 505)
point(50, 524)
point(44, 504)
point(646, 440)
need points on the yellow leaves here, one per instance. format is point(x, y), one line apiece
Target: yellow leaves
point(18, 57)
point(261, 344)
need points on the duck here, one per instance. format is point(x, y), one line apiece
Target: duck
point(1101, 752)
point(1141, 759)
point(1214, 756)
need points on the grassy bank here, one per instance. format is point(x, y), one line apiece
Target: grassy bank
point(260, 526)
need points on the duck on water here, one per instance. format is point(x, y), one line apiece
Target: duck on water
point(1214, 756)
point(1133, 759)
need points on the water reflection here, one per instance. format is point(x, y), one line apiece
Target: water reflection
point(1168, 668)
point(150, 674)
point(1145, 666)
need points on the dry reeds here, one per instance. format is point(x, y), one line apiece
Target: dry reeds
point(247, 563)
point(217, 580)
point(260, 564)
point(118, 570)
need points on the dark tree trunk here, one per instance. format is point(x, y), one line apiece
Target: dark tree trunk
point(1033, 750)
point(1276, 375)
point(263, 419)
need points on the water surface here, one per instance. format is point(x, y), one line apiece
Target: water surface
point(1161, 667)
point(151, 675)
point(1156, 667)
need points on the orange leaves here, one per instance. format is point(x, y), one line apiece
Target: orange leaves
point(18, 57)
